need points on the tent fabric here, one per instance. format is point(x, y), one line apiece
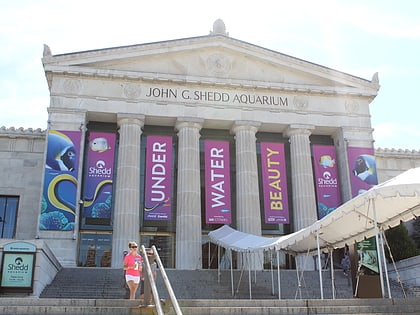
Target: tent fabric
point(395, 200)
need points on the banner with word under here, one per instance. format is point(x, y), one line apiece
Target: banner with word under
point(217, 182)
point(274, 180)
point(158, 181)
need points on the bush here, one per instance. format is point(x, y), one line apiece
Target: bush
point(416, 232)
point(401, 244)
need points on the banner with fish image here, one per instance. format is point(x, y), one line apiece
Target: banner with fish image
point(158, 181)
point(59, 197)
point(363, 175)
point(274, 180)
point(217, 182)
point(326, 176)
point(98, 176)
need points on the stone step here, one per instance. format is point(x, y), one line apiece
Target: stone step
point(35, 306)
point(97, 283)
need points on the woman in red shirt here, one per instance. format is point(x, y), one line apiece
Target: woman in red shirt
point(133, 269)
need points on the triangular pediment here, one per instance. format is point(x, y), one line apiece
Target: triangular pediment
point(209, 59)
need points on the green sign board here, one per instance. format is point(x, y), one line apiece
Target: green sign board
point(18, 267)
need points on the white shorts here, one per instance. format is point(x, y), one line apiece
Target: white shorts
point(136, 279)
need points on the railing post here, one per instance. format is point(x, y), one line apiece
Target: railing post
point(167, 283)
point(152, 281)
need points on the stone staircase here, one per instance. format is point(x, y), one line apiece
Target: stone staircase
point(87, 283)
point(199, 292)
point(108, 283)
point(29, 306)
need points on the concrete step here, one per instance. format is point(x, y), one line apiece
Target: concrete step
point(35, 306)
point(109, 283)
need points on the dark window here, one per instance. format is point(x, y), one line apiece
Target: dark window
point(8, 215)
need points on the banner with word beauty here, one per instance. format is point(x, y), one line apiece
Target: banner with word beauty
point(274, 180)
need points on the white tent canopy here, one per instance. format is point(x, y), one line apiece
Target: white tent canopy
point(369, 214)
point(384, 206)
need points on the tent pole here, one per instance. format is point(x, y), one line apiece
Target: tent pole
point(218, 264)
point(332, 273)
point(319, 265)
point(209, 257)
point(395, 266)
point(378, 244)
point(299, 284)
point(242, 271)
point(254, 260)
point(272, 272)
point(385, 266)
point(249, 275)
point(278, 273)
point(231, 271)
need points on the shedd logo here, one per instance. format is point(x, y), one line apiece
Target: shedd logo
point(100, 170)
point(327, 179)
point(18, 265)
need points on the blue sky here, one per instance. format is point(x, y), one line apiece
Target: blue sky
point(357, 37)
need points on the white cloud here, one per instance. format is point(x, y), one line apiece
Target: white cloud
point(397, 135)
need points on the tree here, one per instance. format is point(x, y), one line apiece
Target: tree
point(400, 243)
point(416, 232)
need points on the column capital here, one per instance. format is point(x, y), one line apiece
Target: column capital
point(125, 118)
point(358, 137)
point(245, 125)
point(299, 129)
point(193, 122)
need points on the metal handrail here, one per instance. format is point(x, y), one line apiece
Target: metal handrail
point(152, 282)
point(165, 280)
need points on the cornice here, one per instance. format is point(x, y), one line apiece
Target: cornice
point(84, 72)
point(13, 132)
point(397, 152)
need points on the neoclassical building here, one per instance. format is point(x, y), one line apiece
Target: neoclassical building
point(163, 142)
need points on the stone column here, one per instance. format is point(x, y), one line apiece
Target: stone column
point(304, 201)
point(126, 221)
point(188, 217)
point(248, 217)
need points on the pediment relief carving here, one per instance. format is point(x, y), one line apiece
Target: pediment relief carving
point(211, 59)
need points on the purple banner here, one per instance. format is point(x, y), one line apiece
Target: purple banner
point(362, 165)
point(217, 177)
point(99, 172)
point(158, 182)
point(59, 198)
point(363, 176)
point(273, 167)
point(326, 174)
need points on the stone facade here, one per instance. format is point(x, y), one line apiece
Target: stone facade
point(210, 87)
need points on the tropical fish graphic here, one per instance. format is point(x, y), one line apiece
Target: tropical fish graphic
point(326, 161)
point(99, 145)
point(61, 154)
point(365, 169)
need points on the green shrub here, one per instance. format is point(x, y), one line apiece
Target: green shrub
point(401, 244)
